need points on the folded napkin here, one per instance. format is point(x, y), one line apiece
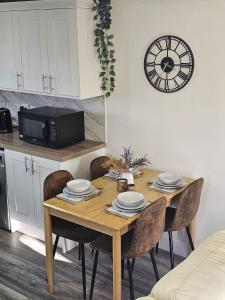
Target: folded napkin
point(117, 211)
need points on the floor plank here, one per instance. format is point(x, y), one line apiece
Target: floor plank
point(22, 272)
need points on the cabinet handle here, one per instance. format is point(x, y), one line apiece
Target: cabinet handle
point(32, 166)
point(51, 82)
point(44, 82)
point(19, 80)
point(26, 165)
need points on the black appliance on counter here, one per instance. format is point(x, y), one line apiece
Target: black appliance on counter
point(4, 210)
point(5, 120)
point(51, 126)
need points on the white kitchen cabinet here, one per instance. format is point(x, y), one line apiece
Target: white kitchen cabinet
point(62, 49)
point(33, 37)
point(10, 52)
point(20, 187)
point(25, 179)
point(54, 45)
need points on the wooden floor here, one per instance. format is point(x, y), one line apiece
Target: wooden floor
point(22, 272)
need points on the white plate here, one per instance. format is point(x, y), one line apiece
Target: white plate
point(169, 186)
point(169, 178)
point(70, 192)
point(125, 208)
point(130, 199)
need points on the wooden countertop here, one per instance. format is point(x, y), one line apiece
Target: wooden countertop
point(11, 141)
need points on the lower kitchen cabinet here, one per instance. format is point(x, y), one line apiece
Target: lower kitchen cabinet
point(25, 178)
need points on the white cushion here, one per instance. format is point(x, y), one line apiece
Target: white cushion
point(200, 277)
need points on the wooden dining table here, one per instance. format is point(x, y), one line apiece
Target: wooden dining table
point(92, 214)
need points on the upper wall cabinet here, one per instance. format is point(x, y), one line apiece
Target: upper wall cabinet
point(10, 54)
point(49, 50)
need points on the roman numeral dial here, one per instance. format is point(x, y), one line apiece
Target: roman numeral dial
point(169, 64)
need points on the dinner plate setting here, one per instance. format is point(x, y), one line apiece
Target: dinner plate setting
point(169, 182)
point(78, 190)
point(130, 202)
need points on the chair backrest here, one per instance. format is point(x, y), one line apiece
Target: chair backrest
point(187, 204)
point(148, 229)
point(96, 169)
point(55, 183)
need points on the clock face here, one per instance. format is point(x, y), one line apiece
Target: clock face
point(169, 64)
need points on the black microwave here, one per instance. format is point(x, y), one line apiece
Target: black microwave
point(51, 126)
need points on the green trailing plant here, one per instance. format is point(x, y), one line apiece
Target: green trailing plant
point(104, 45)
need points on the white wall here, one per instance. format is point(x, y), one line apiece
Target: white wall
point(183, 131)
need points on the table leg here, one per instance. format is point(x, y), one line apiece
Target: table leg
point(117, 265)
point(49, 250)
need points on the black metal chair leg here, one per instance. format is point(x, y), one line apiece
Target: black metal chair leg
point(55, 245)
point(190, 238)
point(122, 267)
point(79, 251)
point(157, 248)
point(171, 249)
point(154, 265)
point(132, 265)
point(130, 280)
point(94, 274)
point(92, 252)
point(83, 270)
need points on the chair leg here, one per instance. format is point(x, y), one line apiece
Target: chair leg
point(122, 267)
point(190, 238)
point(171, 249)
point(92, 252)
point(132, 265)
point(154, 264)
point(94, 274)
point(83, 270)
point(130, 280)
point(79, 251)
point(157, 248)
point(55, 245)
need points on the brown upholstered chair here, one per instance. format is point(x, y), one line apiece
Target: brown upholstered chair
point(53, 186)
point(179, 217)
point(96, 168)
point(136, 242)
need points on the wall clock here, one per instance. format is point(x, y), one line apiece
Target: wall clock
point(169, 64)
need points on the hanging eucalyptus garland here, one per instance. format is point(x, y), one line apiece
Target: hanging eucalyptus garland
point(104, 45)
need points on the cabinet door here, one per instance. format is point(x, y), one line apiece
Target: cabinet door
point(62, 50)
point(20, 187)
point(10, 51)
point(34, 50)
point(41, 168)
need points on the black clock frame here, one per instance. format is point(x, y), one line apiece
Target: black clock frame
point(187, 77)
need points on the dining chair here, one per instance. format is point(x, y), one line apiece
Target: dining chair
point(53, 185)
point(183, 212)
point(96, 169)
point(137, 242)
